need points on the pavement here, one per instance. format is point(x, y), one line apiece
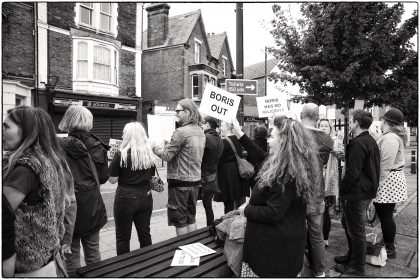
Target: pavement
point(406, 218)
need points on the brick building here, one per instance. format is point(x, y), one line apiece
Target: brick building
point(60, 53)
point(179, 59)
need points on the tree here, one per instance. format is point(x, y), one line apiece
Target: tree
point(342, 51)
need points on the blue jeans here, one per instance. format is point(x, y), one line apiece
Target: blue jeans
point(315, 239)
point(354, 221)
point(132, 205)
point(91, 251)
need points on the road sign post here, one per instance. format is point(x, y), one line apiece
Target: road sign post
point(241, 86)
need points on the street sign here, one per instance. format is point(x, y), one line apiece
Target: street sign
point(241, 87)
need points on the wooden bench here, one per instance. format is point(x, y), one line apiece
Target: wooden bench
point(155, 261)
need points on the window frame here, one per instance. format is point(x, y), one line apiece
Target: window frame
point(224, 62)
point(195, 75)
point(197, 50)
point(96, 17)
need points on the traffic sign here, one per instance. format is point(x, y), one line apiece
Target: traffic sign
point(241, 87)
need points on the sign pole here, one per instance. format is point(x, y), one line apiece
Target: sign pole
point(240, 55)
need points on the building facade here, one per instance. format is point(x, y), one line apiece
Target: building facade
point(56, 54)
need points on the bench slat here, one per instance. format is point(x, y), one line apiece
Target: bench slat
point(204, 268)
point(143, 255)
point(223, 271)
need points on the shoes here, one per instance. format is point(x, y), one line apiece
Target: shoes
point(342, 259)
point(349, 270)
point(322, 274)
point(390, 250)
point(326, 243)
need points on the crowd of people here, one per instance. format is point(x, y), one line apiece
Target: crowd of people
point(52, 202)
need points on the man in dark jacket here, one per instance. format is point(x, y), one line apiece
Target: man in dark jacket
point(315, 210)
point(357, 189)
point(212, 151)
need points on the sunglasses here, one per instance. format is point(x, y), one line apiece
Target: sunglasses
point(177, 111)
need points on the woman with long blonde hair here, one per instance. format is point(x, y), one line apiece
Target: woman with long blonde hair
point(275, 233)
point(132, 166)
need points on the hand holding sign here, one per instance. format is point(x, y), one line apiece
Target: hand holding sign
point(219, 103)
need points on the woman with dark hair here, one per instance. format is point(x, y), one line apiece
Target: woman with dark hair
point(36, 180)
point(87, 158)
point(392, 183)
point(275, 232)
point(260, 137)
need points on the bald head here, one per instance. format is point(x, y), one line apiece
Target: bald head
point(310, 111)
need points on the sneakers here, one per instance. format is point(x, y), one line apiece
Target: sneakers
point(342, 259)
point(349, 270)
point(390, 250)
point(319, 274)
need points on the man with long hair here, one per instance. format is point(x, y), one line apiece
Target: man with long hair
point(184, 154)
point(357, 189)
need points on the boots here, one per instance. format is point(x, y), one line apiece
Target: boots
point(390, 250)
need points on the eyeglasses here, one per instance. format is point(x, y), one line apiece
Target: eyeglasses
point(177, 111)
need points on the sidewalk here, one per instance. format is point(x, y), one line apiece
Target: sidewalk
point(404, 265)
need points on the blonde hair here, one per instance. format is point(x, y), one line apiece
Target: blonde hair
point(76, 118)
point(294, 158)
point(136, 140)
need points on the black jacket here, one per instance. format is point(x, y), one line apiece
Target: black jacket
point(212, 152)
point(256, 156)
point(91, 213)
point(361, 179)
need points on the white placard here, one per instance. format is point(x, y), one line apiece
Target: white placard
point(196, 250)
point(269, 106)
point(359, 104)
point(160, 127)
point(331, 113)
point(114, 145)
point(219, 103)
point(183, 259)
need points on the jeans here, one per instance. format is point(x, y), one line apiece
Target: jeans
point(315, 239)
point(354, 221)
point(91, 251)
point(207, 204)
point(385, 212)
point(132, 205)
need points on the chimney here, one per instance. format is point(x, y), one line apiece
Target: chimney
point(157, 24)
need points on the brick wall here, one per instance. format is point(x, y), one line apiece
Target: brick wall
point(229, 70)
point(60, 58)
point(127, 76)
point(163, 74)
point(61, 14)
point(17, 40)
point(127, 24)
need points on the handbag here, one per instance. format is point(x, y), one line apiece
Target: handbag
point(246, 169)
point(156, 183)
point(375, 253)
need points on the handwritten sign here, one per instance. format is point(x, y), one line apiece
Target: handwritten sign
point(196, 250)
point(114, 145)
point(219, 103)
point(269, 106)
point(160, 128)
point(183, 259)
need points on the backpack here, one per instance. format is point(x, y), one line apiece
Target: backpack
point(98, 151)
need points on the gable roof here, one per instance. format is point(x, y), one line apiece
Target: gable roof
point(216, 42)
point(180, 28)
point(257, 70)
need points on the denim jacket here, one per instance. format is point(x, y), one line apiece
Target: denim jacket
point(184, 153)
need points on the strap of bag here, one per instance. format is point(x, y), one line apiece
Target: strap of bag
point(233, 148)
point(157, 173)
point(92, 164)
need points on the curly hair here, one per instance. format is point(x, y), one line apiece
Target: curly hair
point(399, 130)
point(294, 158)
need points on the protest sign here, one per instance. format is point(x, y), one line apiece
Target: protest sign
point(359, 104)
point(269, 106)
point(114, 145)
point(219, 103)
point(160, 128)
point(196, 250)
point(181, 258)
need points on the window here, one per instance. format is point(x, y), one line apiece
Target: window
point(102, 17)
point(213, 81)
point(197, 52)
point(18, 101)
point(95, 62)
point(224, 67)
point(195, 86)
point(206, 79)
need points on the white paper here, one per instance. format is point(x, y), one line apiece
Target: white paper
point(183, 259)
point(219, 103)
point(160, 127)
point(196, 250)
point(114, 145)
point(271, 105)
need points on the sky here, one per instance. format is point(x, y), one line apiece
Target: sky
point(221, 17)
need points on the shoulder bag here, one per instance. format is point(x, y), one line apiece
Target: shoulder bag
point(246, 169)
point(156, 183)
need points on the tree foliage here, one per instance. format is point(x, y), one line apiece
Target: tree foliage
point(340, 51)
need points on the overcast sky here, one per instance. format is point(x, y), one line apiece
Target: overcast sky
point(221, 17)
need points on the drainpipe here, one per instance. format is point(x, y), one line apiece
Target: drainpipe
point(36, 99)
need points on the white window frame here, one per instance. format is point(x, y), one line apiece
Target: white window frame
point(88, 83)
point(197, 86)
point(197, 50)
point(224, 60)
point(96, 18)
point(212, 79)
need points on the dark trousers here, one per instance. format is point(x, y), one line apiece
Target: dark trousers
point(132, 205)
point(385, 212)
point(207, 204)
point(233, 205)
point(354, 221)
point(326, 226)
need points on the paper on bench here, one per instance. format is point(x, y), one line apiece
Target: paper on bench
point(183, 259)
point(196, 250)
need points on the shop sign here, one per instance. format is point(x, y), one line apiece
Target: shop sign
point(95, 104)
